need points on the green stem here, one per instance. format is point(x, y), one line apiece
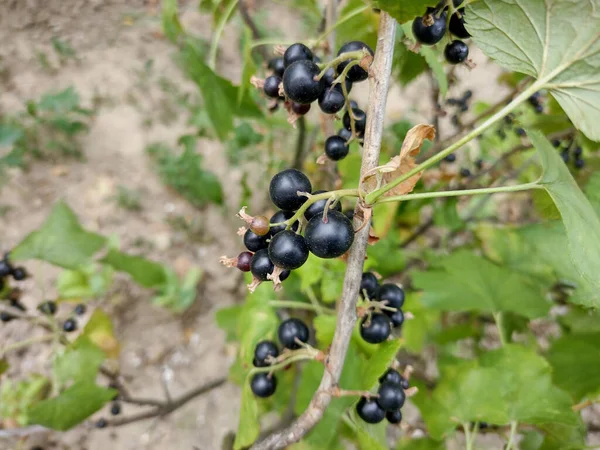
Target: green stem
point(299, 305)
point(468, 438)
point(212, 55)
point(373, 196)
point(315, 198)
point(299, 355)
point(26, 343)
point(356, 55)
point(341, 21)
point(269, 41)
point(483, 191)
point(314, 300)
point(474, 433)
point(500, 324)
point(513, 435)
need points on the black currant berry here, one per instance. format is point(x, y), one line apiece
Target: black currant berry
point(356, 73)
point(329, 239)
point(565, 155)
point(277, 66)
point(115, 409)
point(80, 309)
point(520, 132)
point(290, 330)
point(336, 148)
point(6, 317)
point(450, 158)
point(331, 100)
point(431, 34)
point(300, 109)
point(396, 317)
point(279, 217)
point(271, 86)
point(578, 152)
point(69, 325)
point(394, 417)
point(5, 268)
point(391, 396)
point(243, 261)
point(319, 206)
point(299, 82)
point(369, 411)
point(457, 25)
point(377, 330)
point(579, 163)
point(391, 294)
point(346, 134)
point(284, 189)
point(288, 250)
point(101, 423)
point(539, 108)
point(296, 52)
point(254, 242)
point(330, 76)
point(261, 265)
point(391, 376)
point(369, 285)
point(263, 385)
point(456, 52)
point(19, 274)
point(360, 121)
point(555, 143)
point(464, 172)
point(48, 307)
point(263, 350)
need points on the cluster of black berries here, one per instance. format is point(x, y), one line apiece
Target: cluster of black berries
point(337, 146)
point(461, 106)
point(430, 29)
point(390, 398)
point(376, 327)
point(7, 270)
point(292, 334)
point(566, 147)
point(508, 124)
point(275, 249)
point(536, 100)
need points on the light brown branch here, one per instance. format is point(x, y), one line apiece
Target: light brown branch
point(379, 75)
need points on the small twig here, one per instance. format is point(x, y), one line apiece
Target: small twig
point(300, 141)
point(513, 434)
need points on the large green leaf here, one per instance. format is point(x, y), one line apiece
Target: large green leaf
point(581, 222)
point(248, 426)
point(404, 10)
point(79, 362)
point(576, 363)
point(556, 41)
point(471, 283)
point(144, 272)
point(170, 20)
point(71, 406)
point(379, 362)
point(357, 22)
point(61, 241)
point(9, 134)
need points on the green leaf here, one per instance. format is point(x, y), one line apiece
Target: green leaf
point(9, 134)
point(99, 330)
point(379, 362)
point(17, 397)
point(380, 258)
point(581, 222)
point(257, 322)
point(555, 41)
point(248, 65)
point(170, 20)
point(61, 102)
point(471, 283)
point(227, 320)
point(248, 426)
point(405, 10)
point(178, 295)
point(324, 326)
point(71, 407)
point(421, 444)
point(144, 272)
point(592, 191)
point(357, 23)
point(417, 330)
point(80, 361)
point(3, 366)
point(437, 68)
point(60, 241)
point(409, 65)
point(575, 361)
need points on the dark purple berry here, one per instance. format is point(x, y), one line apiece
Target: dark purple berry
point(115, 409)
point(296, 52)
point(263, 350)
point(355, 73)
point(288, 250)
point(47, 307)
point(277, 66)
point(330, 238)
point(254, 242)
point(69, 325)
point(331, 100)
point(391, 376)
point(243, 261)
point(101, 423)
point(578, 152)
point(464, 172)
point(450, 158)
point(290, 330)
point(394, 417)
point(360, 121)
point(392, 295)
point(457, 25)
point(396, 317)
point(391, 396)
point(19, 274)
point(263, 385)
point(5, 268)
point(336, 148)
point(369, 285)
point(456, 52)
point(579, 163)
point(369, 411)
point(271, 86)
point(431, 34)
point(376, 329)
point(279, 217)
point(300, 109)
point(319, 206)
point(80, 309)
point(299, 82)
point(346, 134)
point(261, 265)
point(284, 189)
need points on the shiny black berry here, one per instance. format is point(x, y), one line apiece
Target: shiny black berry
point(290, 330)
point(431, 34)
point(254, 242)
point(464, 172)
point(69, 325)
point(299, 82)
point(284, 189)
point(80, 309)
point(331, 238)
point(369, 411)
point(457, 25)
point(279, 217)
point(391, 396)
point(48, 307)
point(360, 121)
point(336, 148)
point(6, 317)
point(394, 417)
point(369, 285)
point(391, 376)
point(345, 134)
point(296, 52)
point(263, 350)
point(376, 329)
point(456, 52)
point(578, 152)
point(579, 163)
point(396, 317)
point(5, 268)
point(288, 250)
point(261, 265)
point(319, 206)
point(450, 158)
point(277, 66)
point(300, 109)
point(115, 409)
point(331, 100)
point(271, 86)
point(355, 73)
point(392, 294)
point(19, 274)
point(263, 385)
point(243, 261)
point(330, 76)
point(101, 423)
